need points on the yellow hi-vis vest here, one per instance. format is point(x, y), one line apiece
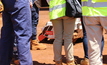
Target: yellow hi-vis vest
point(56, 9)
point(94, 8)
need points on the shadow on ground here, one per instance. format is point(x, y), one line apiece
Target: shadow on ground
point(105, 59)
point(79, 40)
point(77, 61)
point(37, 63)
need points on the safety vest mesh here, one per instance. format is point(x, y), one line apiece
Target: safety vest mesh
point(94, 7)
point(56, 8)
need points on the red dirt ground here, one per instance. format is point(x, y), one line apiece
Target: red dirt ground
point(45, 57)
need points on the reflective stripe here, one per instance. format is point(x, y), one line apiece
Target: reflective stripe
point(57, 7)
point(90, 11)
point(57, 13)
point(84, 0)
point(94, 1)
point(94, 8)
point(98, 4)
point(55, 3)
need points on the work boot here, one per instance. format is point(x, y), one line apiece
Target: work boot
point(84, 62)
point(71, 62)
point(58, 62)
point(16, 62)
point(37, 46)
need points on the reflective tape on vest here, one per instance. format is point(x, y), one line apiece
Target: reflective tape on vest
point(94, 7)
point(98, 4)
point(90, 11)
point(57, 7)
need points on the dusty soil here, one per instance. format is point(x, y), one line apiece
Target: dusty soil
point(45, 57)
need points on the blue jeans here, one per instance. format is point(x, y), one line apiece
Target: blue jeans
point(85, 42)
point(35, 18)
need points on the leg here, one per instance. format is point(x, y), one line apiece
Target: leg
point(69, 25)
point(85, 61)
point(23, 32)
point(57, 44)
point(7, 40)
point(85, 42)
point(35, 16)
point(93, 26)
point(85, 45)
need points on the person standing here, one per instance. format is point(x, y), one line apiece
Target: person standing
point(85, 61)
point(63, 29)
point(35, 17)
point(16, 24)
point(94, 19)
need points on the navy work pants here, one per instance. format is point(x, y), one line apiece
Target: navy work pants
point(16, 23)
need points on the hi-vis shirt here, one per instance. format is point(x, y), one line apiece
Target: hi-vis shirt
point(94, 8)
point(57, 8)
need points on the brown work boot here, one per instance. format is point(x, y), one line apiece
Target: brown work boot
point(85, 61)
point(71, 62)
point(37, 46)
point(58, 62)
point(16, 62)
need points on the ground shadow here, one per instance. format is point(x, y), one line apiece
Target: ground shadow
point(37, 63)
point(77, 59)
point(105, 59)
point(79, 40)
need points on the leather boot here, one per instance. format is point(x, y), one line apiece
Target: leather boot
point(58, 63)
point(16, 62)
point(37, 46)
point(71, 62)
point(85, 61)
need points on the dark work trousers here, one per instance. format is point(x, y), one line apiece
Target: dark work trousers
point(85, 42)
point(16, 19)
point(35, 18)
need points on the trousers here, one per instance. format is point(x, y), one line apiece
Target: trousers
point(94, 28)
point(85, 42)
point(16, 23)
point(35, 18)
point(63, 29)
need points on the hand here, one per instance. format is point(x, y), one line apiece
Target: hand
point(31, 5)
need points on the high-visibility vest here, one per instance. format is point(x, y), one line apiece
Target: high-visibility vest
point(56, 9)
point(94, 7)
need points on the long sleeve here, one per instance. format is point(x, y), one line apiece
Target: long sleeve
point(30, 1)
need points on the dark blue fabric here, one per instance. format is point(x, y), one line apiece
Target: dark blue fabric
point(35, 18)
point(16, 23)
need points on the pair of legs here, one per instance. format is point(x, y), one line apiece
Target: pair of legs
point(35, 18)
point(63, 29)
point(16, 19)
point(85, 41)
point(94, 28)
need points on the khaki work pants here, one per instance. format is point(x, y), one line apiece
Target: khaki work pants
point(94, 28)
point(63, 29)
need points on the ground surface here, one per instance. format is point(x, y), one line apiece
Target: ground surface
point(45, 57)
